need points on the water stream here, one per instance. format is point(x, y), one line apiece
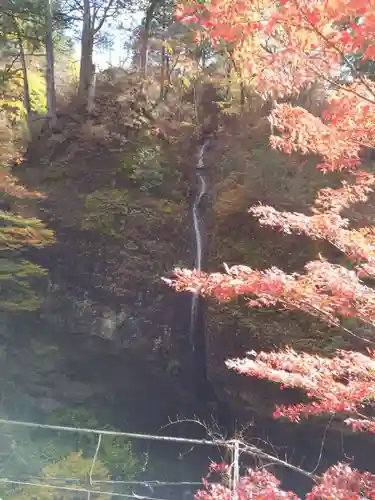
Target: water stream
point(202, 189)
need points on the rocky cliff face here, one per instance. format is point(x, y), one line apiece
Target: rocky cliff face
point(119, 207)
point(75, 352)
point(119, 199)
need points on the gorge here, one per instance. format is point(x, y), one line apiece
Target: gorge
point(111, 344)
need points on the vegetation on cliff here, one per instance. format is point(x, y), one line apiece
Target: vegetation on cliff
point(104, 175)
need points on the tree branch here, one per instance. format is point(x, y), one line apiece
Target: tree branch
point(104, 16)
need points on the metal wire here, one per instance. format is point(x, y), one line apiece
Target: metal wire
point(77, 490)
point(64, 428)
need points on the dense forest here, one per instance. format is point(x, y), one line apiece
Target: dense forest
point(187, 248)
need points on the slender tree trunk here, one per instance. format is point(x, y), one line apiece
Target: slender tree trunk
point(87, 49)
point(228, 75)
point(164, 56)
point(91, 93)
point(241, 81)
point(163, 72)
point(243, 94)
point(26, 89)
point(203, 58)
point(143, 51)
point(50, 74)
point(145, 35)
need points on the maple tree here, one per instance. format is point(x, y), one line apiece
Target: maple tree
point(339, 482)
point(281, 48)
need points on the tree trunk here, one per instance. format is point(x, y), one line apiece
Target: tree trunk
point(163, 72)
point(87, 48)
point(144, 51)
point(91, 93)
point(240, 80)
point(164, 59)
point(26, 90)
point(243, 94)
point(50, 73)
point(203, 58)
point(145, 35)
point(228, 76)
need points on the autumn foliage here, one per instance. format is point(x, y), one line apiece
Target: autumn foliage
point(339, 482)
point(279, 49)
point(256, 484)
point(338, 385)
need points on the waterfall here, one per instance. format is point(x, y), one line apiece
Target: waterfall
point(198, 235)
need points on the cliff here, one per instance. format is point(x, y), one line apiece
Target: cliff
point(118, 189)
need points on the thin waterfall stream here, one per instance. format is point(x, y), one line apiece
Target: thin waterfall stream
point(202, 189)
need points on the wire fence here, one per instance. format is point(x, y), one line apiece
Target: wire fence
point(93, 488)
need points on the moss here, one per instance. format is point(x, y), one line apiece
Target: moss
point(120, 212)
point(103, 209)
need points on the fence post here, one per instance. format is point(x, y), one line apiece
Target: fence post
point(236, 468)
